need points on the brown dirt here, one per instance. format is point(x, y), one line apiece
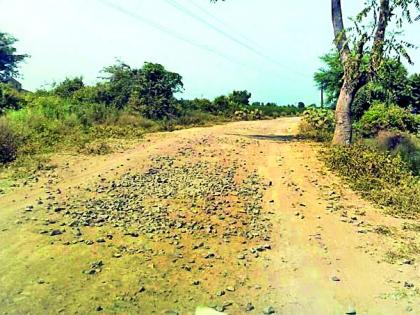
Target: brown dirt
point(310, 243)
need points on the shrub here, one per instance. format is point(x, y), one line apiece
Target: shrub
point(195, 118)
point(10, 98)
point(248, 114)
point(387, 117)
point(68, 87)
point(379, 176)
point(8, 143)
point(317, 124)
point(398, 143)
point(136, 121)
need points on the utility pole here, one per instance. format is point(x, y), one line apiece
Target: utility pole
point(322, 95)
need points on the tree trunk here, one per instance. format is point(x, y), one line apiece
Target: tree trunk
point(343, 127)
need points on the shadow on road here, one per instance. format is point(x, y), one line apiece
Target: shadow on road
point(277, 138)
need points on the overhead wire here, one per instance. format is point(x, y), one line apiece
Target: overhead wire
point(221, 22)
point(170, 32)
point(239, 42)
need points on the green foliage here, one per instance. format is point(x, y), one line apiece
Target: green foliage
point(10, 98)
point(387, 117)
point(330, 77)
point(68, 87)
point(8, 142)
point(301, 105)
point(221, 104)
point(128, 103)
point(274, 110)
point(9, 59)
point(378, 176)
point(414, 81)
point(240, 98)
point(148, 91)
point(249, 114)
point(196, 118)
point(317, 124)
point(403, 144)
point(391, 85)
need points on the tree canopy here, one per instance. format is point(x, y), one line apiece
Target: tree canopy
point(392, 84)
point(9, 59)
point(149, 90)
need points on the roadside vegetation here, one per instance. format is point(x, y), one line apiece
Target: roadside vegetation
point(383, 162)
point(71, 116)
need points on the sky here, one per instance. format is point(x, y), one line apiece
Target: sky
point(268, 47)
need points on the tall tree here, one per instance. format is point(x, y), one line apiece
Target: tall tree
point(366, 39)
point(9, 59)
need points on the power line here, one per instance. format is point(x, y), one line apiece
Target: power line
point(188, 12)
point(169, 31)
point(221, 22)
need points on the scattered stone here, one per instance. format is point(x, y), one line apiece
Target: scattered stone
point(269, 310)
point(241, 256)
point(249, 307)
point(220, 308)
point(56, 232)
point(220, 293)
point(406, 261)
point(351, 311)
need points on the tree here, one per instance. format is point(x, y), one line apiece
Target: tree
point(9, 59)
point(329, 78)
point(366, 39)
point(68, 87)
point(9, 98)
point(240, 98)
point(149, 90)
point(391, 84)
point(415, 91)
point(221, 104)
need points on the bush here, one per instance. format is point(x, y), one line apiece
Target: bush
point(8, 143)
point(248, 114)
point(195, 118)
point(397, 143)
point(10, 98)
point(317, 124)
point(136, 121)
point(387, 117)
point(68, 87)
point(379, 176)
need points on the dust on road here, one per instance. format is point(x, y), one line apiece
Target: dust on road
point(241, 217)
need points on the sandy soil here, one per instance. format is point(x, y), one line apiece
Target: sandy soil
point(330, 249)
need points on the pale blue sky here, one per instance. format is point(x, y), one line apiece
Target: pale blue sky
point(280, 42)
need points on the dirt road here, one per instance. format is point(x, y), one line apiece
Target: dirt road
point(241, 217)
